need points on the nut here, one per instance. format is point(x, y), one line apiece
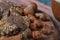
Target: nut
point(36, 34)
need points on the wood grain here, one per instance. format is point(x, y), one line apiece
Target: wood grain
point(56, 9)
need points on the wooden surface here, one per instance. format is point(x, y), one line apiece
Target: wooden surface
point(56, 9)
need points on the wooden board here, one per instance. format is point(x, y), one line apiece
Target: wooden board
point(56, 9)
